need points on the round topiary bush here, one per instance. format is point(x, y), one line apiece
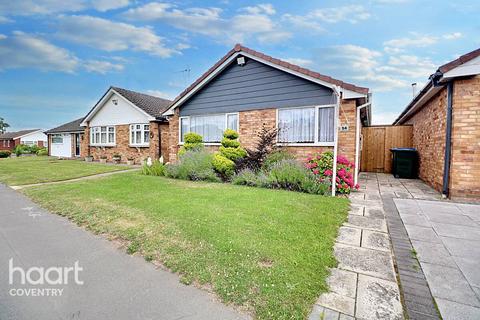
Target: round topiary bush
point(192, 141)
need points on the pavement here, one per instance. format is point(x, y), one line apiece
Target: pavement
point(109, 284)
point(446, 238)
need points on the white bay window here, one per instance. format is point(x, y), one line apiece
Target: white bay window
point(140, 134)
point(210, 127)
point(102, 136)
point(309, 125)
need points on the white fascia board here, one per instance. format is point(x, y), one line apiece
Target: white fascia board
point(221, 67)
point(106, 97)
point(26, 134)
point(349, 94)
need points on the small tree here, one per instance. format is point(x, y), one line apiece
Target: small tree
point(192, 141)
point(3, 125)
point(229, 153)
point(266, 144)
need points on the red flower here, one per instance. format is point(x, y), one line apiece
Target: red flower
point(316, 171)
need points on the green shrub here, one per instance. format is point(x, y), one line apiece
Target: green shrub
point(248, 177)
point(21, 149)
point(42, 152)
point(275, 157)
point(193, 165)
point(156, 169)
point(292, 175)
point(232, 153)
point(192, 141)
point(33, 148)
point(223, 165)
point(229, 143)
point(230, 134)
point(5, 154)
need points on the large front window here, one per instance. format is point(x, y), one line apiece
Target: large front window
point(102, 136)
point(57, 138)
point(313, 125)
point(210, 127)
point(139, 134)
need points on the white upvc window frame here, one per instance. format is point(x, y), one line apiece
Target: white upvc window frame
point(93, 131)
point(180, 142)
point(57, 135)
point(142, 134)
point(316, 143)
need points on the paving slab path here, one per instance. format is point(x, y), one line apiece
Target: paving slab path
point(115, 285)
point(364, 285)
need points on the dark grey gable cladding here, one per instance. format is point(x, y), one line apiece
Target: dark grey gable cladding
point(255, 86)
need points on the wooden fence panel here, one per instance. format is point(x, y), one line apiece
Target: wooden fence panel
point(377, 142)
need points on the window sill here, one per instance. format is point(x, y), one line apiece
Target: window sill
point(103, 145)
point(300, 144)
point(139, 145)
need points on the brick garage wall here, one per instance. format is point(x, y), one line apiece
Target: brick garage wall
point(465, 165)
point(251, 122)
point(122, 139)
point(10, 148)
point(429, 126)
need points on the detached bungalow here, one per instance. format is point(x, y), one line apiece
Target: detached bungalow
point(247, 89)
point(126, 123)
point(65, 141)
point(9, 140)
point(446, 127)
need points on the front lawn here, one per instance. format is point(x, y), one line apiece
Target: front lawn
point(27, 170)
point(268, 251)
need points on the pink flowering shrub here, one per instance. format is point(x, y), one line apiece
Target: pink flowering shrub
point(321, 165)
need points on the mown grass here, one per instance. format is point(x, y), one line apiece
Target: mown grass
point(27, 170)
point(268, 251)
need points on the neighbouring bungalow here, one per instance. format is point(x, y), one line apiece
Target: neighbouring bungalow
point(245, 90)
point(9, 140)
point(446, 127)
point(65, 141)
point(126, 123)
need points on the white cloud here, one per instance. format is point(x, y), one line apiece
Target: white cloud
point(102, 67)
point(111, 36)
point(300, 62)
point(22, 50)
point(350, 13)
point(254, 22)
point(265, 8)
point(34, 7)
point(5, 20)
point(452, 36)
point(409, 66)
point(303, 22)
point(416, 40)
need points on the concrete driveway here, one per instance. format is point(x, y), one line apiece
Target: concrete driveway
point(446, 238)
point(110, 284)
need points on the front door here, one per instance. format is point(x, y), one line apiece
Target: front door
point(77, 144)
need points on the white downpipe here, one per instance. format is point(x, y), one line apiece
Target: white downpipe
point(335, 146)
point(357, 140)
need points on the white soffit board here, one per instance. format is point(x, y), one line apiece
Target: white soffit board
point(469, 68)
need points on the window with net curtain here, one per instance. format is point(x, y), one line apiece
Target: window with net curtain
point(210, 127)
point(306, 125)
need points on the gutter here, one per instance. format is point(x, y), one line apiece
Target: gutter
point(448, 141)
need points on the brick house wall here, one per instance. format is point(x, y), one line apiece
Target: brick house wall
point(250, 122)
point(429, 129)
point(123, 148)
point(8, 147)
point(429, 125)
point(465, 165)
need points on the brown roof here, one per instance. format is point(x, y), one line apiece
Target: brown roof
point(293, 67)
point(73, 126)
point(463, 59)
point(152, 105)
point(16, 134)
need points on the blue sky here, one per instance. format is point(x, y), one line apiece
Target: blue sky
point(58, 57)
